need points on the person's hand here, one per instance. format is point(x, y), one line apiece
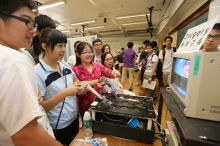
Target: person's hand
point(122, 90)
point(40, 98)
point(105, 89)
point(84, 91)
point(149, 80)
point(73, 89)
point(116, 73)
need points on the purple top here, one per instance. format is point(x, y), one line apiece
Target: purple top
point(129, 56)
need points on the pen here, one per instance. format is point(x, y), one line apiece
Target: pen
point(209, 139)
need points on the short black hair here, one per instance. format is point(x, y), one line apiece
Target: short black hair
point(130, 44)
point(151, 44)
point(50, 37)
point(216, 26)
point(168, 37)
point(103, 48)
point(155, 43)
point(146, 42)
point(44, 21)
point(96, 41)
point(11, 6)
point(79, 49)
point(122, 49)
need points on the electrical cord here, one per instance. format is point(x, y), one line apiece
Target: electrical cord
point(163, 141)
point(111, 119)
point(161, 131)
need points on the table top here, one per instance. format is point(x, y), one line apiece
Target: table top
point(115, 141)
point(190, 128)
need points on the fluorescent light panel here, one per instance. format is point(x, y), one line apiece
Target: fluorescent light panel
point(83, 22)
point(131, 16)
point(50, 5)
point(94, 27)
point(63, 31)
point(133, 23)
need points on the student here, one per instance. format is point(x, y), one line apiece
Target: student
point(87, 70)
point(139, 67)
point(166, 57)
point(213, 40)
point(97, 44)
point(128, 65)
point(19, 98)
point(151, 66)
point(107, 61)
point(142, 57)
point(72, 59)
point(106, 48)
point(42, 21)
point(55, 81)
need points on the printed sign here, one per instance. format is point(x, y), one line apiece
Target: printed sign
point(195, 37)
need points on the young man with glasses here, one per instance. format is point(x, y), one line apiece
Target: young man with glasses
point(213, 40)
point(42, 22)
point(97, 45)
point(19, 106)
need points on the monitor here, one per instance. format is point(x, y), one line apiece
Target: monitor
point(195, 82)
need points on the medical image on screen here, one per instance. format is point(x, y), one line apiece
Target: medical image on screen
point(181, 74)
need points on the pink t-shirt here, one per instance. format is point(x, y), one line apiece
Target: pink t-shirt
point(98, 70)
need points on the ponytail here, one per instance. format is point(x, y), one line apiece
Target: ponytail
point(37, 46)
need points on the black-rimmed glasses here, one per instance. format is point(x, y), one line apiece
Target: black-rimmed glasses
point(29, 24)
point(214, 37)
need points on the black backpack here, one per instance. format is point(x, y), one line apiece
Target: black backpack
point(159, 71)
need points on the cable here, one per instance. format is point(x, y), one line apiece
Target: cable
point(161, 131)
point(112, 119)
point(163, 141)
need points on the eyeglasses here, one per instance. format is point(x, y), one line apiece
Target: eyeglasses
point(29, 24)
point(97, 45)
point(108, 59)
point(214, 37)
point(89, 53)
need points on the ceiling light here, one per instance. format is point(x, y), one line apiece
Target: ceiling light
point(133, 23)
point(83, 22)
point(131, 16)
point(63, 31)
point(94, 27)
point(52, 4)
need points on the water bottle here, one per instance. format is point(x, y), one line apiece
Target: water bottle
point(87, 124)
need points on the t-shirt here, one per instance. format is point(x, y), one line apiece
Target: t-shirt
point(18, 94)
point(168, 60)
point(143, 55)
point(29, 56)
point(96, 59)
point(31, 51)
point(149, 65)
point(72, 60)
point(129, 56)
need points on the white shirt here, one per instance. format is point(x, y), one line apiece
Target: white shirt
point(18, 94)
point(96, 59)
point(30, 58)
point(149, 65)
point(72, 60)
point(168, 60)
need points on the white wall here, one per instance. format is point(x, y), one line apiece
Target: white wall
point(118, 42)
point(174, 36)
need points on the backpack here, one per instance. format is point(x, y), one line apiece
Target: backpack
point(159, 71)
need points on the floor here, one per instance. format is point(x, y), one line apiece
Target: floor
point(136, 89)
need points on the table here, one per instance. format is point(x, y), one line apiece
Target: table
point(189, 128)
point(114, 141)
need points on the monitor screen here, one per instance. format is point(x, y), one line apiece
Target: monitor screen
point(181, 73)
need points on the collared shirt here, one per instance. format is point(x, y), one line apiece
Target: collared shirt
point(98, 70)
point(129, 56)
point(51, 82)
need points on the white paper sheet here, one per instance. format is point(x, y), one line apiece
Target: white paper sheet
point(150, 85)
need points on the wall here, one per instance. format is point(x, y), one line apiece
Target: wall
point(119, 42)
point(174, 36)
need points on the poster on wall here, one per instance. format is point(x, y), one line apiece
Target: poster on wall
point(195, 37)
point(70, 44)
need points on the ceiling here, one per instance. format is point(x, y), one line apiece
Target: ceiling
point(83, 10)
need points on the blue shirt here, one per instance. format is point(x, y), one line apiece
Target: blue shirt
point(51, 82)
point(129, 56)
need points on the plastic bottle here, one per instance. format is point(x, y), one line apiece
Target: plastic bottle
point(87, 124)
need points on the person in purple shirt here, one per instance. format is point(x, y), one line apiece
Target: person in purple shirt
point(128, 66)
